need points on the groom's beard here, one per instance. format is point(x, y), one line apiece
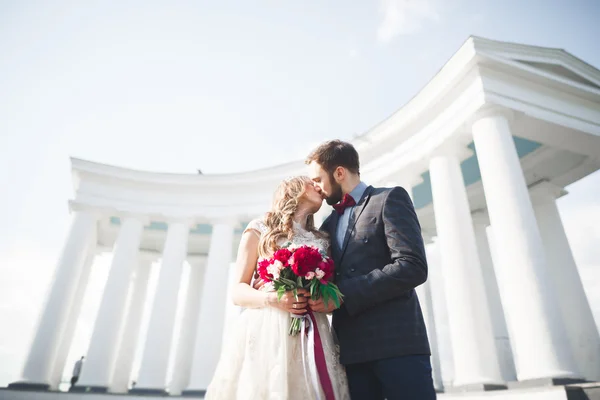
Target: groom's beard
point(336, 193)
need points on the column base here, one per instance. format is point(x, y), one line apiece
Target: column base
point(29, 386)
point(89, 389)
point(193, 393)
point(475, 387)
point(544, 382)
point(148, 392)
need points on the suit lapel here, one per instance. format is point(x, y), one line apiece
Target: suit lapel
point(355, 216)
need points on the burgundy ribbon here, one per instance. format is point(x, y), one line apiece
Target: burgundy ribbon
point(321, 363)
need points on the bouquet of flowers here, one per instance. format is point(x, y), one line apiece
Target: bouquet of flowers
point(293, 267)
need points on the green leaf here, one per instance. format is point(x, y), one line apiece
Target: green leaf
point(314, 293)
point(288, 282)
point(280, 292)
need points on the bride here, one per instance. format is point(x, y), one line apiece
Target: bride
point(259, 359)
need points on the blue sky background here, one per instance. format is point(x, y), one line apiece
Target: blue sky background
point(223, 86)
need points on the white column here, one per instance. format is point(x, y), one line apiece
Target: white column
point(475, 361)
point(155, 360)
point(440, 312)
point(575, 308)
point(131, 332)
point(69, 332)
point(425, 298)
point(538, 337)
point(503, 349)
point(209, 335)
point(102, 354)
point(38, 369)
point(231, 310)
point(185, 345)
point(426, 302)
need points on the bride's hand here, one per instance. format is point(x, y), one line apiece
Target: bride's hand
point(289, 303)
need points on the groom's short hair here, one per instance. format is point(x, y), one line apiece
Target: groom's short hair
point(333, 154)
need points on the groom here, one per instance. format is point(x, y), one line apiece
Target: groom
point(380, 259)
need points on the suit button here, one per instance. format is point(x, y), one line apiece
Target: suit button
point(337, 274)
point(365, 240)
point(352, 269)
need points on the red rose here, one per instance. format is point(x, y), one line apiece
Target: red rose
point(262, 270)
point(282, 255)
point(306, 259)
point(327, 267)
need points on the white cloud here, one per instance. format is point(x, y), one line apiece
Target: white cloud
point(354, 53)
point(404, 17)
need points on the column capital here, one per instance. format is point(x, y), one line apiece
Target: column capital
point(451, 148)
point(175, 219)
point(75, 206)
point(102, 212)
point(144, 219)
point(490, 110)
point(545, 191)
point(406, 179)
point(225, 220)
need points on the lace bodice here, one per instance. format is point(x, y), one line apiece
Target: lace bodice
point(301, 236)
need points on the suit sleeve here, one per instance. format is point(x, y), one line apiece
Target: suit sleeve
point(408, 268)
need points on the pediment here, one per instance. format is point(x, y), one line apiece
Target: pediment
point(546, 61)
point(559, 70)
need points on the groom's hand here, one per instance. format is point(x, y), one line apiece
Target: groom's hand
point(257, 282)
point(319, 306)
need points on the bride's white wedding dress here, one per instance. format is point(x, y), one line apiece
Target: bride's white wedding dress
point(260, 360)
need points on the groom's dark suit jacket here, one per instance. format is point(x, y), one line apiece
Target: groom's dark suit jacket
point(380, 263)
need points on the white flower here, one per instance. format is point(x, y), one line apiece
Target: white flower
point(275, 269)
point(277, 264)
point(310, 275)
point(293, 247)
point(319, 273)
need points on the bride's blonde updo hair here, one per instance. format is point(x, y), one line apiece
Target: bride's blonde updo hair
point(280, 219)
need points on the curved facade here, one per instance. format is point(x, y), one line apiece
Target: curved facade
point(492, 140)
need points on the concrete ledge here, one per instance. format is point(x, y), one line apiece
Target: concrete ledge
point(10, 394)
point(586, 391)
point(193, 393)
point(476, 387)
point(148, 392)
point(546, 393)
point(583, 391)
point(29, 386)
point(544, 382)
point(88, 389)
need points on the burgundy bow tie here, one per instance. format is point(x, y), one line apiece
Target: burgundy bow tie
point(347, 201)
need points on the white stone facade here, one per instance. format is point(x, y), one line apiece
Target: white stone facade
point(531, 114)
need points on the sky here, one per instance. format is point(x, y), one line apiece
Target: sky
point(223, 86)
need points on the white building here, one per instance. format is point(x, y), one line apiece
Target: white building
point(492, 139)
